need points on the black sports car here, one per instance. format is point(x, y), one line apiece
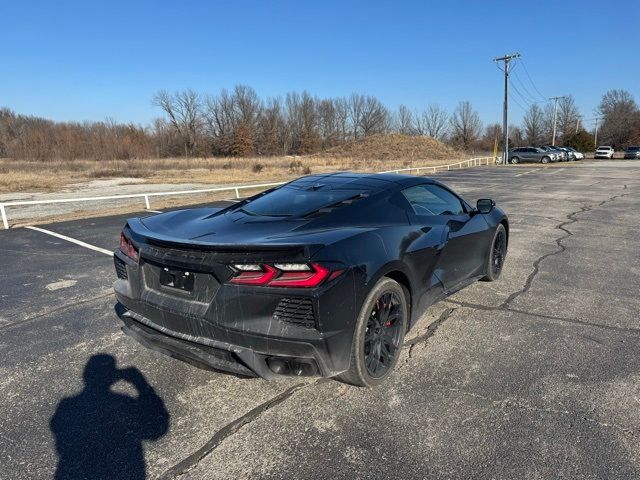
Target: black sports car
point(321, 276)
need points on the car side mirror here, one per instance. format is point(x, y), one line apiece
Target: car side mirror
point(485, 205)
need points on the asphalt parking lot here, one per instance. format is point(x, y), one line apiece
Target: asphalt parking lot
point(534, 376)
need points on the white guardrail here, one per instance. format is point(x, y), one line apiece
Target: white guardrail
point(472, 162)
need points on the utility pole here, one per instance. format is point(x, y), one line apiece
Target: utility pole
point(555, 116)
point(577, 123)
point(595, 140)
point(505, 113)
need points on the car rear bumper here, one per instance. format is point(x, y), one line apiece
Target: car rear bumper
point(240, 329)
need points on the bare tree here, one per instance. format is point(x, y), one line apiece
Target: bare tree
point(302, 122)
point(184, 110)
point(621, 117)
point(219, 116)
point(247, 109)
point(404, 121)
point(375, 117)
point(492, 134)
point(465, 125)
point(568, 116)
point(433, 122)
point(516, 138)
point(534, 125)
point(328, 125)
point(355, 107)
point(342, 119)
point(272, 129)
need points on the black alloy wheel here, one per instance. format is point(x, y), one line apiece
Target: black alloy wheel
point(497, 255)
point(378, 334)
point(383, 334)
point(499, 250)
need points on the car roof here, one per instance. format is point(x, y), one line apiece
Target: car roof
point(370, 182)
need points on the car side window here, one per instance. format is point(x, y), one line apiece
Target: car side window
point(433, 200)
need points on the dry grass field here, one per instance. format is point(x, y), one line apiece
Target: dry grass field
point(376, 153)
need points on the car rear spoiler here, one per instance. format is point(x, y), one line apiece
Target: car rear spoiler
point(147, 239)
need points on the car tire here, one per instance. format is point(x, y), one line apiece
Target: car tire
point(497, 254)
point(544, 160)
point(373, 335)
point(515, 160)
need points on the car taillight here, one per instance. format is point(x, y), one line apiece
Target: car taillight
point(293, 275)
point(126, 247)
point(253, 274)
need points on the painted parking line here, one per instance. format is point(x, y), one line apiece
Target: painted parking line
point(528, 171)
point(556, 171)
point(72, 240)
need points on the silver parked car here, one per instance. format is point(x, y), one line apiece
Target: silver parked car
point(531, 154)
point(570, 155)
point(562, 155)
point(576, 154)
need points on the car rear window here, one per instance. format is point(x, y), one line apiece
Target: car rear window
point(289, 201)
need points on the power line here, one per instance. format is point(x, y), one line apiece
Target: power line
point(526, 102)
point(530, 80)
point(523, 86)
point(518, 103)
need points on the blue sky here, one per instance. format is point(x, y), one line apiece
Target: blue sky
point(92, 60)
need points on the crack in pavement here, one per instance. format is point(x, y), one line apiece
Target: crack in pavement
point(536, 264)
point(521, 405)
point(431, 330)
point(504, 306)
point(571, 218)
point(230, 429)
point(573, 321)
point(55, 310)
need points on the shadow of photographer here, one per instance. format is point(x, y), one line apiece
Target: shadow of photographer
point(99, 432)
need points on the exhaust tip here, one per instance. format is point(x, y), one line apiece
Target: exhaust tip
point(297, 367)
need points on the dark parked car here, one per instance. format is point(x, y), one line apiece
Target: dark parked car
point(322, 276)
point(632, 152)
point(531, 154)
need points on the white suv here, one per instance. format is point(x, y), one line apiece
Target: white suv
point(604, 152)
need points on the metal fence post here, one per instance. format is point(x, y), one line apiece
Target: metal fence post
point(5, 222)
point(146, 202)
